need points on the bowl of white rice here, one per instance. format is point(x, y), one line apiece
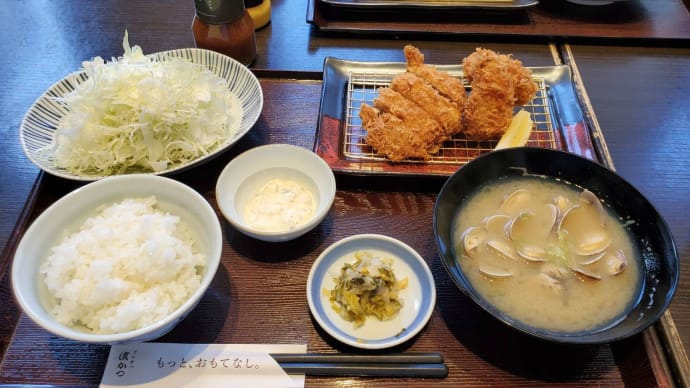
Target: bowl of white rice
point(119, 260)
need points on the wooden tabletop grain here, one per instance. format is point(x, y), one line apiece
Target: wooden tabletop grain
point(638, 94)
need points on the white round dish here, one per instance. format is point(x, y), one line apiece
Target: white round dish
point(419, 297)
point(249, 171)
point(69, 212)
point(41, 121)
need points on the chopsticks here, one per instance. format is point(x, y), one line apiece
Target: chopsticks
point(384, 365)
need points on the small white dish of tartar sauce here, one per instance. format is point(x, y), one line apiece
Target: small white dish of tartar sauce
point(275, 192)
point(279, 205)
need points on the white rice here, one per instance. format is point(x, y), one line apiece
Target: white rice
point(127, 267)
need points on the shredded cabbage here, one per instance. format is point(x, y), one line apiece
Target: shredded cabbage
point(137, 114)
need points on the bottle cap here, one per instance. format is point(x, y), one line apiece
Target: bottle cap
point(252, 3)
point(219, 11)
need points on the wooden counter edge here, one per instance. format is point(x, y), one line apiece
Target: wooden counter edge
point(675, 349)
point(667, 353)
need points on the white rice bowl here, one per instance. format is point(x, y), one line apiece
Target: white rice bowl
point(129, 274)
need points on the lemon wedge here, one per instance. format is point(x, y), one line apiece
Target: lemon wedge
point(518, 132)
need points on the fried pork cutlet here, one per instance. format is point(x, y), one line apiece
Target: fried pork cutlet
point(449, 86)
point(499, 83)
point(525, 87)
point(392, 136)
point(427, 129)
point(423, 94)
point(424, 106)
point(520, 76)
point(487, 121)
point(489, 107)
point(420, 110)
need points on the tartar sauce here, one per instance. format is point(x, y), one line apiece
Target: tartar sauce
point(279, 205)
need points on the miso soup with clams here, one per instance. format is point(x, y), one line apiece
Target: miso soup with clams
point(547, 254)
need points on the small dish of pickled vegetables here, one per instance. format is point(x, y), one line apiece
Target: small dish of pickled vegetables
point(371, 291)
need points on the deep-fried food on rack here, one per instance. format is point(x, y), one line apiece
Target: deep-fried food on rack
point(489, 107)
point(428, 130)
point(447, 85)
point(523, 84)
point(424, 106)
point(499, 83)
point(428, 98)
point(525, 87)
point(393, 137)
point(420, 110)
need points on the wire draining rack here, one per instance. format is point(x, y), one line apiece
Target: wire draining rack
point(363, 89)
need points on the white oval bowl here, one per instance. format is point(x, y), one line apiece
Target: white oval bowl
point(249, 171)
point(66, 215)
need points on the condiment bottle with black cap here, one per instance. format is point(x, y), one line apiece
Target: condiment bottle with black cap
point(225, 26)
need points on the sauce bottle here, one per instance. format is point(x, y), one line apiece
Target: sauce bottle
point(225, 26)
point(260, 11)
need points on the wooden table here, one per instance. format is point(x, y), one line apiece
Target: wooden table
point(639, 97)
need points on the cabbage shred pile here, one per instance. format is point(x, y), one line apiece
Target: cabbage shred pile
point(137, 114)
